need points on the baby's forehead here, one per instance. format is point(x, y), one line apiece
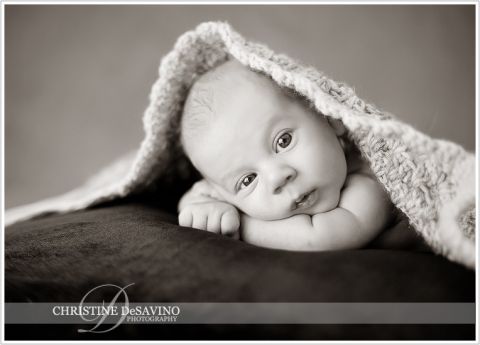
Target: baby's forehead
point(206, 95)
point(230, 72)
point(231, 77)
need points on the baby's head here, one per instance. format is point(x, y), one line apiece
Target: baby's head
point(262, 149)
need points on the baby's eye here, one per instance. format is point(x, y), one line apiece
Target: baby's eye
point(245, 182)
point(283, 141)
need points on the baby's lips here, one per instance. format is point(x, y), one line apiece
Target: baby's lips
point(296, 200)
point(305, 200)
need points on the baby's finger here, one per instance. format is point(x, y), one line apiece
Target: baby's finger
point(213, 223)
point(199, 221)
point(230, 223)
point(185, 219)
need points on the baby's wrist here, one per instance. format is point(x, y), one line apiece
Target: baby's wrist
point(200, 192)
point(194, 200)
point(204, 188)
point(205, 200)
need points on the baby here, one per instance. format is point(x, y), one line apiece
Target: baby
point(276, 173)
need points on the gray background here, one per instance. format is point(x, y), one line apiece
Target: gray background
point(77, 78)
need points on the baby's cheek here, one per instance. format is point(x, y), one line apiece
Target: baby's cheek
point(252, 207)
point(259, 206)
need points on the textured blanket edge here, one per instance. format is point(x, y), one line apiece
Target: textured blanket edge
point(431, 181)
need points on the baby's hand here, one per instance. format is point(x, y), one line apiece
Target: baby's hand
point(214, 216)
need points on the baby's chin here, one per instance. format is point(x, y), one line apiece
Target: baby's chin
point(322, 206)
point(268, 214)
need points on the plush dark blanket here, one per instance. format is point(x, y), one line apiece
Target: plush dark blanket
point(61, 257)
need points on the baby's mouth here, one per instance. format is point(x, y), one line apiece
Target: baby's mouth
point(305, 200)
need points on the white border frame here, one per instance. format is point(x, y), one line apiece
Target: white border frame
point(251, 2)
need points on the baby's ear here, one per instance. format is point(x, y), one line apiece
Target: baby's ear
point(337, 126)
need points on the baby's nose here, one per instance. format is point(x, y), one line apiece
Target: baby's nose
point(281, 177)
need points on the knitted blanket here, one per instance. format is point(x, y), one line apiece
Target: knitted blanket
point(431, 181)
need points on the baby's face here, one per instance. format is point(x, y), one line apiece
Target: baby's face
point(267, 153)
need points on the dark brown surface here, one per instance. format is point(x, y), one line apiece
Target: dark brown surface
point(60, 258)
